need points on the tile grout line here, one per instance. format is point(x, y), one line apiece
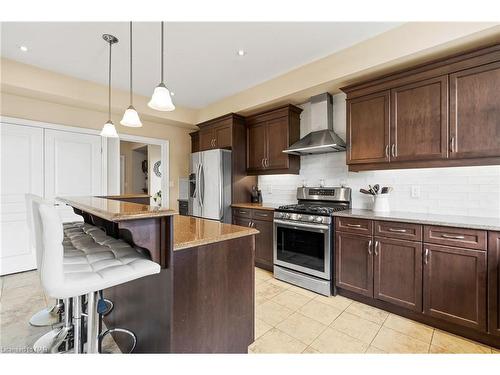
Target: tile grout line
point(374, 337)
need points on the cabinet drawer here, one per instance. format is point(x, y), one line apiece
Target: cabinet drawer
point(406, 231)
point(242, 212)
point(459, 237)
point(354, 225)
point(262, 215)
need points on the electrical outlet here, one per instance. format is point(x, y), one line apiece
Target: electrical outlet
point(415, 191)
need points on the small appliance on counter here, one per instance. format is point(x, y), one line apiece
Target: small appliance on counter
point(303, 238)
point(256, 195)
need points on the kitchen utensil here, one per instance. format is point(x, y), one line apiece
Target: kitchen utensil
point(364, 191)
point(376, 188)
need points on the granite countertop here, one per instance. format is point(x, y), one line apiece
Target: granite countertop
point(257, 206)
point(192, 231)
point(483, 223)
point(115, 210)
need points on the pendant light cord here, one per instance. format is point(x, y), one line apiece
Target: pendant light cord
point(161, 51)
point(109, 83)
point(131, 103)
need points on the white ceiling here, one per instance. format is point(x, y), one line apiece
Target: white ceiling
point(202, 65)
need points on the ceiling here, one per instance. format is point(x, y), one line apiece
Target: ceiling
point(202, 64)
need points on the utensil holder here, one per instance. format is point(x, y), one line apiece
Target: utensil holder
point(381, 203)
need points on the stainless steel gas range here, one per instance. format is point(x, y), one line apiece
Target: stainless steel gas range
point(303, 238)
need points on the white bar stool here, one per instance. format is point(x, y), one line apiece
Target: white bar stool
point(94, 271)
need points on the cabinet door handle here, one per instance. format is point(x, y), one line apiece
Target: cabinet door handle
point(262, 163)
point(386, 151)
point(377, 244)
point(393, 150)
point(452, 144)
point(261, 215)
point(242, 212)
point(370, 247)
point(266, 162)
point(453, 237)
point(426, 256)
point(397, 230)
point(353, 225)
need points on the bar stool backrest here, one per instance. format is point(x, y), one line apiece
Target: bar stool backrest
point(35, 233)
point(49, 223)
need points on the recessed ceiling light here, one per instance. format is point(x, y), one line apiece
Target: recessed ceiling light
point(23, 48)
point(241, 52)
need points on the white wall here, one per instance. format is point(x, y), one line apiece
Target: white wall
point(473, 191)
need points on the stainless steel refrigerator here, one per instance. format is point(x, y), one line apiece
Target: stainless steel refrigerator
point(210, 185)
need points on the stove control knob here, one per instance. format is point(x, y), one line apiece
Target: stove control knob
point(299, 217)
point(287, 216)
point(318, 219)
point(310, 218)
point(280, 215)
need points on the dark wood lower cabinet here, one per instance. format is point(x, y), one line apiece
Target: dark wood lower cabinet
point(398, 272)
point(452, 285)
point(455, 285)
point(354, 263)
point(264, 244)
point(262, 221)
point(494, 283)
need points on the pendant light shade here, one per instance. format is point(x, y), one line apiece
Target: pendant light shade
point(131, 117)
point(109, 130)
point(161, 99)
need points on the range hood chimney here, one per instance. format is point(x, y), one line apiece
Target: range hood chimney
point(323, 140)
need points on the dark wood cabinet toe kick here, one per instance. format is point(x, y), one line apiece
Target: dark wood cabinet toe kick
point(445, 277)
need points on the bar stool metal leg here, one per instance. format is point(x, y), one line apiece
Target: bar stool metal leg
point(77, 325)
point(48, 316)
point(92, 323)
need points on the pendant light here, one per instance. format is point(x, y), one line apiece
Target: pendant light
point(161, 100)
point(109, 130)
point(131, 117)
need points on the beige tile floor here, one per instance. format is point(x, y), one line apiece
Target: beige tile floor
point(21, 296)
point(289, 319)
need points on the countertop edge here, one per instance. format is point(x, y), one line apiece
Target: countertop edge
point(370, 215)
point(254, 206)
point(220, 238)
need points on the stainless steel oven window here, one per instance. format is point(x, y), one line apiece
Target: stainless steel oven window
point(299, 260)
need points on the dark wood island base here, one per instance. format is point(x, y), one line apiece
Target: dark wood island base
point(202, 303)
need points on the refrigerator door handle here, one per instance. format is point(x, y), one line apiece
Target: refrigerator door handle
point(202, 185)
point(221, 192)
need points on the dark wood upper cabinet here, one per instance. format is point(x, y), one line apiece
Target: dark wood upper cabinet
point(494, 283)
point(257, 151)
point(268, 134)
point(419, 120)
point(368, 128)
point(454, 287)
point(354, 263)
point(228, 132)
point(195, 141)
point(443, 113)
point(398, 272)
point(475, 112)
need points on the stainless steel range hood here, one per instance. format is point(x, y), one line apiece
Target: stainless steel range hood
point(323, 140)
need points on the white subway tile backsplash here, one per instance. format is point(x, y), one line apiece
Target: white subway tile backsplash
point(473, 191)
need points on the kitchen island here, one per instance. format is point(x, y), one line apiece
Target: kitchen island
point(202, 301)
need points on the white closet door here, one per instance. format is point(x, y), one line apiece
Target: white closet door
point(73, 165)
point(21, 173)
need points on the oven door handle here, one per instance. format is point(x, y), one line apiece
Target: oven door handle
point(318, 227)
